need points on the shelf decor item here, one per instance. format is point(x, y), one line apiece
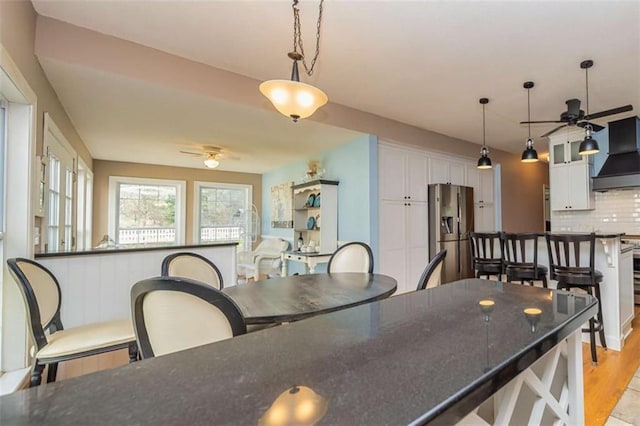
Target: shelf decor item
point(310, 200)
point(282, 205)
point(311, 223)
point(318, 222)
point(316, 202)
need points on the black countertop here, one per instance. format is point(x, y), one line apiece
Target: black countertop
point(417, 357)
point(130, 250)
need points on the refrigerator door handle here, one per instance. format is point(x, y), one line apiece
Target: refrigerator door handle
point(458, 258)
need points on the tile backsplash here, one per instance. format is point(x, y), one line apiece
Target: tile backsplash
point(616, 211)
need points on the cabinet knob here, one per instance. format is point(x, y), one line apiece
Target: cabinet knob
point(408, 204)
point(405, 197)
point(409, 197)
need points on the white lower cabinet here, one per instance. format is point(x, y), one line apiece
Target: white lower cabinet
point(404, 242)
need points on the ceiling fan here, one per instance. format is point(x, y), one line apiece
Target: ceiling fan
point(574, 116)
point(212, 155)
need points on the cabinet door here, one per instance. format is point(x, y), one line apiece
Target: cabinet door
point(559, 190)
point(456, 173)
point(486, 186)
point(484, 218)
point(473, 180)
point(392, 172)
point(392, 241)
point(438, 170)
point(578, 186)
point(417, 237)
point(557, 153)
point(417, 176)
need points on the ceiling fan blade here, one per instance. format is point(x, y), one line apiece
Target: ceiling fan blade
point(553, 131)
point(195, 154)
point(541, 122)
point(608, 112)
point(595, 127)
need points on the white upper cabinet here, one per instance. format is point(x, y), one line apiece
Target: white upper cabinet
point(403, 174)
point(569, 173)
point(444, 170)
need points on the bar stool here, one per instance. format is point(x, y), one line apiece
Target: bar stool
point(486, 254)
point(520, 253)
point(571, 271)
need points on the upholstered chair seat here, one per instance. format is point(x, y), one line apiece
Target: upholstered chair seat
point(87, 338)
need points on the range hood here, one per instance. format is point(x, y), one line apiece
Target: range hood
point(622, 167)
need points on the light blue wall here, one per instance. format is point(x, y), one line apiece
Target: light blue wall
point(355, 165)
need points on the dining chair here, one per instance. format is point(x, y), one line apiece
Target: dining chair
point(171, 314)
point(432, 275)
point(574, 268)
point(192, 266)
point(486, 254)
point(520, 252)
point(351, 257)
point(42, 296)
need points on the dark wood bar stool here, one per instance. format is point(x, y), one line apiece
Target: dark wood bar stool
point(520, 253)
point(571, 271)
point(486, 254)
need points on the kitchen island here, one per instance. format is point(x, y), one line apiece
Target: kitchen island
point(96, 284)
point(477, 351)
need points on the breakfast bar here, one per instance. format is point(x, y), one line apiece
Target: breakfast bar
point(475, 350)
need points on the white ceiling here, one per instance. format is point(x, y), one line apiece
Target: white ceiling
point(425, 63)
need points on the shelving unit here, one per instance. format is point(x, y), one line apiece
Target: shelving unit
point(325, 236)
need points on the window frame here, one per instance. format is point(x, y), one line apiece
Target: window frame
point(197, 186)
point(181, 203)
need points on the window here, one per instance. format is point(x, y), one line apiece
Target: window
point(60, 180)
point(146, 211)
point(223, 212)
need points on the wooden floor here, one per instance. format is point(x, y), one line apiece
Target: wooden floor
point(604, 383)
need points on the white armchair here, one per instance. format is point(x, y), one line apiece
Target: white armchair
point(261, 261)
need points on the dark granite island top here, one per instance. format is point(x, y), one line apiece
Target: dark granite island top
point(428, 356)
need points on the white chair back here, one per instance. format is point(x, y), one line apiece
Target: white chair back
point(45, 289)
point(351, 257)
point(194, 267)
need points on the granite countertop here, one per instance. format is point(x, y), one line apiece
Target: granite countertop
point(598, 233)
point(131, 250)
point(414, 358)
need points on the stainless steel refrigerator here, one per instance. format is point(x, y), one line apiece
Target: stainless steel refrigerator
point(450, 221)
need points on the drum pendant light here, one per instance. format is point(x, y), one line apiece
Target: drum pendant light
point(529, 155)
point(484, 162)
point(588, 145)
point(291, 97)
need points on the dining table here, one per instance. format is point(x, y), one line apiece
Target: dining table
point(297, 297)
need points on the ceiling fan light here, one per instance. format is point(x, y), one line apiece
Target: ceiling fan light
point(211, 162)
point(293, 98)
point(588, 146)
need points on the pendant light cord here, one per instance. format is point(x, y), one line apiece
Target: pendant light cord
point(297, 36)
point(529, 110)
point(484, 145)
point(586, 70)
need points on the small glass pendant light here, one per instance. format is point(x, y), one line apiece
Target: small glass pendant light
point(484, 162)
point(529, 155)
